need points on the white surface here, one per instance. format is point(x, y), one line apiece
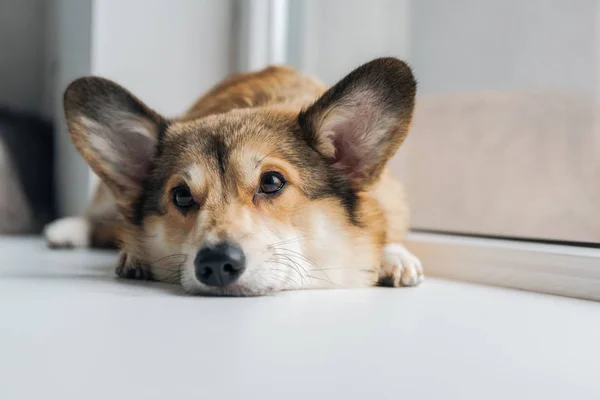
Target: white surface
point(547, 268)
point(69, 330)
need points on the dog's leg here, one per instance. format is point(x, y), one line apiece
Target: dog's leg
point(68, 232)
point(400, 267)
point(129, 267)
point(81, 232)
point(97, 228)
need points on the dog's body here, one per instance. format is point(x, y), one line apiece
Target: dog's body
point(278, 179)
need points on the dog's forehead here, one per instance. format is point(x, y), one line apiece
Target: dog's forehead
point(242, 136)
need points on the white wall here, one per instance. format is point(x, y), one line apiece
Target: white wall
point(465, 45)
point(22, 39)
point(329, 38)
point(166, 52)
point(458, 45)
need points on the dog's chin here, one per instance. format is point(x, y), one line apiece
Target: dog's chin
point(256, 282)
point(231, 290)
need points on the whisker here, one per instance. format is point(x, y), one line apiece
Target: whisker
point(292, 267)
point(311, 262)
point(287, 279)
point(290, 257)
point(310, 276)
point(299, 255)
point(296, 265)
point(283, 281)
point(173, 271)
point(293, 278)
point(169, 257)
point(297, 238)
point(169, 267)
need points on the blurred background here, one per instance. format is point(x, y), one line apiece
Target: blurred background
point(505, 141)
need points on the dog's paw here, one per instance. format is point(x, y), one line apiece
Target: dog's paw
point(68, 232)
point(400, 267)
point(129, 267)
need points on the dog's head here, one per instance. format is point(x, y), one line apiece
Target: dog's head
point(252, 200)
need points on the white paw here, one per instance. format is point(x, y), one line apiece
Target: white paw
point(401, 266)
point(68, 232)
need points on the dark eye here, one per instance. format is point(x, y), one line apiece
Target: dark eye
point(271, 182)
point(182, 197)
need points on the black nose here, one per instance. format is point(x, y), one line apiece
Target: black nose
point(219, 265)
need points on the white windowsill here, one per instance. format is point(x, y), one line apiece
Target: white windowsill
point(75, 331)
point(546, 268)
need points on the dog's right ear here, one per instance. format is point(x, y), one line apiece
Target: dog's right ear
point(115, 132)
point(359, 123)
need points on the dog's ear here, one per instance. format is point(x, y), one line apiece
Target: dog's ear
point(114, 131)
point(359, 123)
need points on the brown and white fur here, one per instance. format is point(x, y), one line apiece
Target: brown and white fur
point(173, 189)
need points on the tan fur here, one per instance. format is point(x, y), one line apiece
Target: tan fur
point(334, 252)
point(273, 85)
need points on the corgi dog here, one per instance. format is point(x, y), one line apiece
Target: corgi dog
point(269, 182)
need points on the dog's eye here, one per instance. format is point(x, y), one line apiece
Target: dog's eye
point(182, 197)
point(271, 182)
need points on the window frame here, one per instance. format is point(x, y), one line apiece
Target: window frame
point(558, 269)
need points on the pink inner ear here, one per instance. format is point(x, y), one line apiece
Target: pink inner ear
point(129, 154)
point(140, 150)
point(354, 136)
point(348, 153)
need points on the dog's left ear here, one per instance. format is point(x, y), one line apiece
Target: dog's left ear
point(115, 132)
point(359, 123)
